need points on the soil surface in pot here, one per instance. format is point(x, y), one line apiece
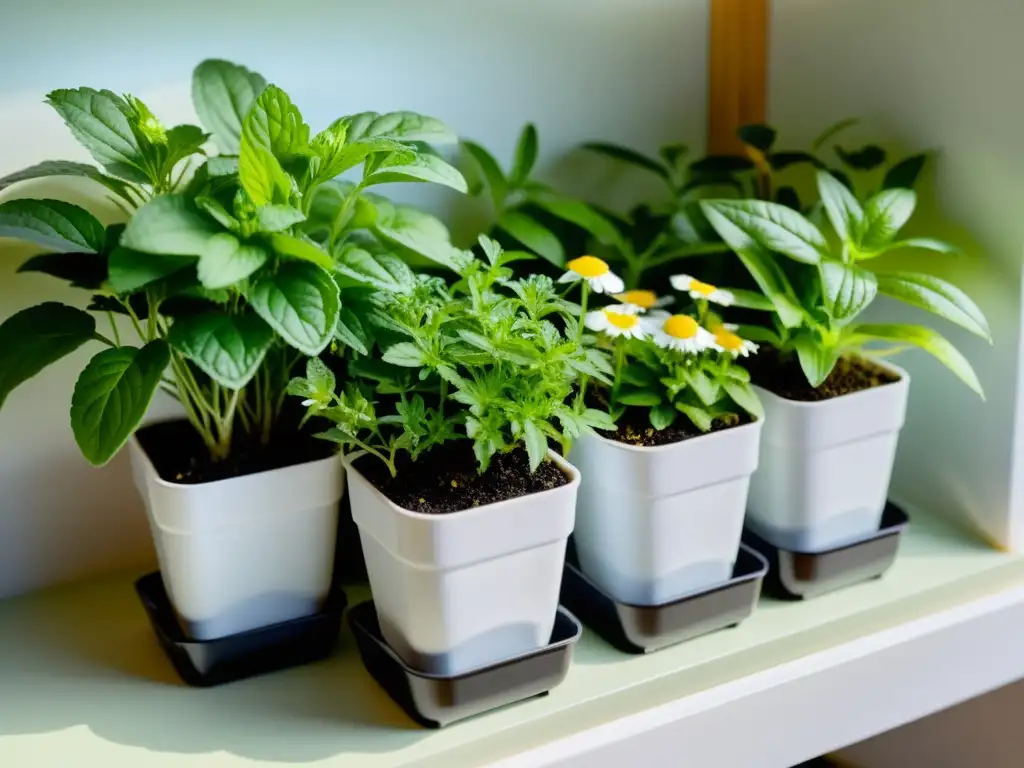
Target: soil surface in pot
point(445, 479)
point(784, 377)
point(634, 428)
point(179, 455)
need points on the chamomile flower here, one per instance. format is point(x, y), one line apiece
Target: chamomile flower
point(730, 342)
point(645, 300)
point(684, 334)
point(616, 320)
point(596, 272)
point(702, 291)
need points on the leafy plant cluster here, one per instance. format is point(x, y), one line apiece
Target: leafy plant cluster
point(232, 267)
point(490, 358)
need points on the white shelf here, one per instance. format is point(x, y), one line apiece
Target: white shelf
point(82, 681)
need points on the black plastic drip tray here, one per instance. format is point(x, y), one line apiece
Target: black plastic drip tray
point(434, 701)
point(215, 662)
point(799, 575)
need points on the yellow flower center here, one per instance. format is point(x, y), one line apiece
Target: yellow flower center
point(681, 327)
point(588, 266)
point(728, 340)
point(704, 289)
point(642, 299)
point(621, 321)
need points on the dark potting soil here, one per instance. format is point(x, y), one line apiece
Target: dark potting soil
point(179, 455)
point(634, 428)
point(445, 479)
point(783, 376)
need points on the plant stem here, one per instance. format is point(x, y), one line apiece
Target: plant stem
point(113, 328)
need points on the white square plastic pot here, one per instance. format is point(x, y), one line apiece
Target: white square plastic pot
point(246, 552)
point(458, 591)
point(656, 523)
point(825, 466)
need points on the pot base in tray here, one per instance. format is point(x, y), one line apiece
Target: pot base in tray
point(641, 629)
point(206, 663)
point(435, 701)
point(798, 575)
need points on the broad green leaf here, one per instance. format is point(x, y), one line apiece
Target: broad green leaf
point(925, 338)
point(274, 123)
point(937, 296)
point(99, 120)
point(584, 217)
point(82, 269)
point(182, 141)
point(701, 419)
point(277, 218)
point(370, 263)
point(223, 93)
point(866, 159)
point(36, 337)
point(112, 395)
point(707, 389)
point(227, 348)
point(405, 354)
point(261, 174)
point(774, 227)
point(905, 173)
point(662, 416)
point(300, 248)
point(926, 244)
point(750, 300)
point(299, 301)
point(226, 261)
point(351, 332)
point(780, 161)
point(844, 210)
point(491, 171)
point(403, 126)
point(51, 168)
point(673, 155)
point(526, 155)
point(423, 168)
point(816, 361)
point(722, 164)
point(847, 289)
point(627, 155)
point(222, 165)
point(52, 224)
point(169, 225)
point(760, 137)
point(534, 236)
point(420, 233)
point(744, 396)
point(639, 397)
point(759, 333)
point(130, 270)
point(885, 215)
point(328, 215)
point(536, 444)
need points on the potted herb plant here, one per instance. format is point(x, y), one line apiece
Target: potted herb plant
point(220, 279)
point(663, 496)
point(833, 412)
point(462, 509)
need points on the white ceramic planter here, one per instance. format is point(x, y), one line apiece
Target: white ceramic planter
point(825, 466)
point(246, 552)
point(654, 524)
point(459, 591)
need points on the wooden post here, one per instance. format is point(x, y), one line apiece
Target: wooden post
point(737, 70)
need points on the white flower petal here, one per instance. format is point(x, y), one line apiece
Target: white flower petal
point(596, 320)
point(681, 282)
point(723, 297)
point(308, 403)
point(569, 277)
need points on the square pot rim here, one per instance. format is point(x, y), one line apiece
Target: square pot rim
point(904, 379)
point(136, 445)
point(349, 460)
point(754, 423)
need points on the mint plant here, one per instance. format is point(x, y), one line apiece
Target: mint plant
point(223, 270)
point(490, 359)
point(818, 286)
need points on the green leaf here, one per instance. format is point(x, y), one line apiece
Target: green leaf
point(420, 233)
point(761, 137)
point(422, 168)
point(112, 395)
point(816, 361)
point(707, 389)
point(905, 173)
point(847, 289)
point(722, 164)
point(350, 332)
point(227, 348)
point(780, 161)
point(639, 397)
point(774, 227)
point(405, 354)
point(403, 126)
point(52, 224)
point(299, 301)
point(750, 300)
point(744, 396)
point(536, 444)
point(275, 123)
point(832, 131)
point(227, 261)
point(81, 269)
point(663, 416)
point(526, 155)
point(371, 264)
point(627, 155)
point(673, 155)
point(301, 248)
point(223, 93)
point(259, 167)
point(51, 168)
point(866, 159)
point(130, 270)
point(491, 172)
point(936, 296)
point(701, 419)
point(925, 338)
point(596, 419)
point(277, 218)
point(584, 217)
point(99, 120)
point(844, 210)
point(924, 243)
point(36, 337)
point(169, 225)
point(885, 215)
point(183, 141)
point(534, 236)
point(217, 211)
point(760, 334)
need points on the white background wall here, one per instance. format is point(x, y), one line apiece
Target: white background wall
point(581, 69)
